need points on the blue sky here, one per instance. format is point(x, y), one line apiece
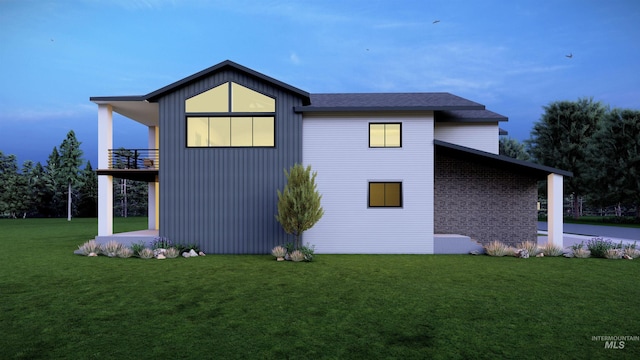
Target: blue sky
point(507, 55)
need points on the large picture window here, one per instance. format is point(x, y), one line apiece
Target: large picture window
point(230, 115)
point(385, 194)
point(385, 135)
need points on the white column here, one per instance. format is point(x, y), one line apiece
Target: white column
point(151, 193)
point(105, 182)
point(554, 209)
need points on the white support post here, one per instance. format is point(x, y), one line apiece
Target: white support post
point(152, 195)
point(105, 182)
point(554, 209)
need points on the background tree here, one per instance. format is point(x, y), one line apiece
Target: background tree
point(70, 162)
point(88, 193)
point(615, 151)
point(513, 148)
point(561, 138)
point(9, 179)
point(299, 203)
point(53, 197)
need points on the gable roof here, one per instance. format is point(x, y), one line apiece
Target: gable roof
point(499, 161)
point(469, 116)
point(227, 64)
point(388, 102)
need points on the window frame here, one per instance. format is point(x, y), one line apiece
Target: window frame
point(231, 115)
point(400, 200)
point(385, 135)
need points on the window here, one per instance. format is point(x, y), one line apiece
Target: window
point(385, 135)
point(230, 115)
point(385, 194)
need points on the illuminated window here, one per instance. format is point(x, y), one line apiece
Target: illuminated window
point(230, 115)
point(385, 135)
point(385, 194)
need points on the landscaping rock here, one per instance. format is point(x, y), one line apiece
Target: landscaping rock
point(540, 255)
point(92, 254)
point(201, 253)
point(522, 253)
point(185, 254)
point(161, 257)
point(193, 253)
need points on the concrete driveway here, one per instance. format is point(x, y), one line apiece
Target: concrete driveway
point(576, 233)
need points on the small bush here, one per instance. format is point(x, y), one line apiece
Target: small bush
point(137, 247)
point(89, 247)
point(530, 246)
point(631, 252)
point(172, 253)
point(613, 254)
point(297, 256)
point(550, 249)
point(124, 252)
point(146, 253)
point(161, 243)
point(580, 253)
point(111, 248)
point(496, 248)
point(307, 251)
point(279, 251)
point(599, 247)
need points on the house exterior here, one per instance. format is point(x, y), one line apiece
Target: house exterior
point(399, 172)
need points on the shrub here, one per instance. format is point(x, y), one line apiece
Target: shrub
point(612, 254)
point(598, 247)
point(89, 247)
point(297, 256)
point(631, 252)
point(146, 253)
point(580, 253)
point(530, 246)
point(161, 243)
point(307, 251)
point(110, 248)
point(137, 247)
point(124, 252)
point(172, 253)
point(550, 249)
point(279, 251)
point(496, 248)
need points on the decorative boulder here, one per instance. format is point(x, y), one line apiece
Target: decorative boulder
point(540, 255)
point(522, 253)
point(186, 254)
point(161, 256)
point(201, 253)
point(193, 253)
point(92, 254)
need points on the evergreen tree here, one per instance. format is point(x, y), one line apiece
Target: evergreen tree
point(88, 200)
point(299, 204)
point(53, 197)
point(561, 138)
point(70, 162)
point(9, 184)
point(39, 191)
point(615, 151)
point(513, 148)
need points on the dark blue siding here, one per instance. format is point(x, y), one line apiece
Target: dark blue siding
point(224, 199)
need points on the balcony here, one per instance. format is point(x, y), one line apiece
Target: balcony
point(133, 164)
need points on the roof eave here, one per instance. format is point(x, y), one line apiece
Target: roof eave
point(523, 165)
point(316, 109)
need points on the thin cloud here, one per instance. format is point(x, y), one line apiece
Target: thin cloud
point(294, 58)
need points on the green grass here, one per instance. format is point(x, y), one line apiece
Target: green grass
point(58, 305)
point(629, 222)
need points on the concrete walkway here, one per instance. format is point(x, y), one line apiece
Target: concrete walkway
point(577, 233)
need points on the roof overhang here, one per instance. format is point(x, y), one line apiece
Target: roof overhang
point(148, 175)
point(133, 107)
point(494, 160)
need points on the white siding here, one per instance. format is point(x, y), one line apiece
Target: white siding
point(337, 147)
point(483, 137)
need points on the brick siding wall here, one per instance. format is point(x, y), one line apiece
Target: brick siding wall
point(484, 203)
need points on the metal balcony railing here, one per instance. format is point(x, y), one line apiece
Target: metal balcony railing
point(141, 159)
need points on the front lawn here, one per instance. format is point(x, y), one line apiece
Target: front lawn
point(59, 305)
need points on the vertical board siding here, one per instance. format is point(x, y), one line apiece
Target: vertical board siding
point(224, 199)
point(337, 148)
point(483, 137)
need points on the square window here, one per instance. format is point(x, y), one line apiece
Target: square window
point(385, 194)
point(385, 135)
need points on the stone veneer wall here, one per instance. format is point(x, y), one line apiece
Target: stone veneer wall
point(484, 203)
